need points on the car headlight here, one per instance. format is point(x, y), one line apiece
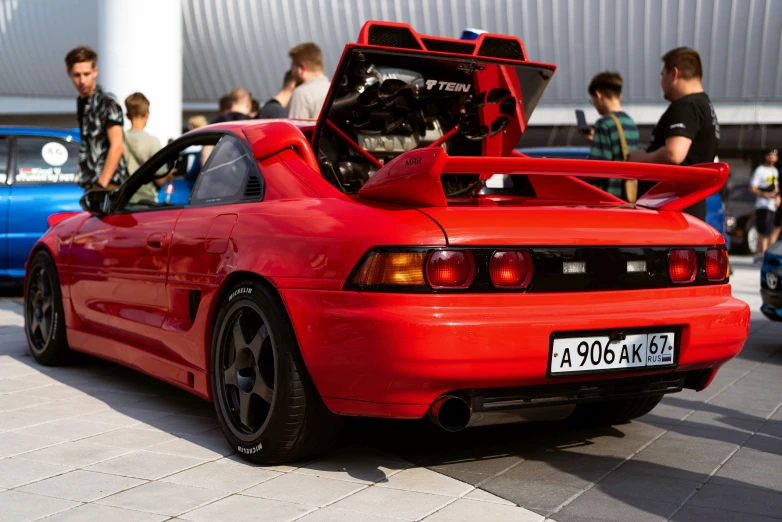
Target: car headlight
point(730, 222)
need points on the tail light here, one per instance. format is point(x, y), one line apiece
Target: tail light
point(717, 267)
point(682, 265)
point(510, 269)
point(392, 268)
point(450, 269)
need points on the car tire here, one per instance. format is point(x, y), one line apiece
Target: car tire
point(266, 402)
point(44, 317)
point(614, 412)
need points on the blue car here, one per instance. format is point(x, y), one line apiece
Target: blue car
point(188, 165)
point(38, 171)
point(715, 209)
point(770, 279)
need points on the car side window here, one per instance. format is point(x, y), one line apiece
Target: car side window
point(42, 160)
point(146, 189)
point(229, 176)
point(4, 155)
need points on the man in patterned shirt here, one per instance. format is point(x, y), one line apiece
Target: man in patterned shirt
point(611, 130)
point(100, 122)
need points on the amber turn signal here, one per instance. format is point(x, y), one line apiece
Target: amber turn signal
point(392, 268)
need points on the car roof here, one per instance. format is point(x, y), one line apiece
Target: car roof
point(14, 130)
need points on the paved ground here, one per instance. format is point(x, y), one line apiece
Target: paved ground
point(97, 441)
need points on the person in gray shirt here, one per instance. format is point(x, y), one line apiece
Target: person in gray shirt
point(312, 85)
point(277, 107)
point(141, 145)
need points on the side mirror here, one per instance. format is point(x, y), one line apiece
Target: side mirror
point(96, 202)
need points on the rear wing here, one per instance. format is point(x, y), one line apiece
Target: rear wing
point(414, 178)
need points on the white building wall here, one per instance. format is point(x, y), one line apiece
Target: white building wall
point(227, 43)
point(151, 65)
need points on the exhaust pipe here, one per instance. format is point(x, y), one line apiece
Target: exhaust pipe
point(450, 412)
point(454, 413)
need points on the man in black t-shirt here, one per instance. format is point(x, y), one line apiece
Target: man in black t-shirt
point(688, 132)
point(277, 107)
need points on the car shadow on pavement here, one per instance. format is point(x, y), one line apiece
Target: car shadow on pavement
point(102, 392)
point(570, 471)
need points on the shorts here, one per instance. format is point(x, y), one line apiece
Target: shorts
point(764, 221)
point(778, 218)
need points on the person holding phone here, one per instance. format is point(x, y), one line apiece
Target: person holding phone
point(614, 135)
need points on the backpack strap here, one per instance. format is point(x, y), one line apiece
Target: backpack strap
point(631, 185)
point(621, 132)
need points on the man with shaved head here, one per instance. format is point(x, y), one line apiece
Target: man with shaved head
point(241, 105)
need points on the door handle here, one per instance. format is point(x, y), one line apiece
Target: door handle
point(157, 240)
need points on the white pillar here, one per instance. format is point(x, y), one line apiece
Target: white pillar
point(140, 50)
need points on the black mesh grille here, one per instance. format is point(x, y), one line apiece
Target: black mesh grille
point(447, 46)
point(400, 37)
point(253, 188)
point(501, 48)
point(572, 393)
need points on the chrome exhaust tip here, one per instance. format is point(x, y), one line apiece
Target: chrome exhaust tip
point(451, 412)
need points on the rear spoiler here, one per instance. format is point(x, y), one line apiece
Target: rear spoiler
point(413, 178)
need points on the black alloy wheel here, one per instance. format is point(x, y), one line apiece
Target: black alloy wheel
point(249, 364)
point(40, 310)
point(266, 403)
point(44, 317)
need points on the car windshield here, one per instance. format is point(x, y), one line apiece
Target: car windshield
point(386, 103)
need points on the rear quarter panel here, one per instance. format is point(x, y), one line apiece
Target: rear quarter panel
point(315, 243)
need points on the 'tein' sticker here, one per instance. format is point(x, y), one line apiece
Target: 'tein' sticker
point(447, 86)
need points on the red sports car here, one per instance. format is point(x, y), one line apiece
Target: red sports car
point(395, 259)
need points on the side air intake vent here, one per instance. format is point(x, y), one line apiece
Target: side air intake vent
point(253, 188)
point(446, 46)
point(501, 48)
point(400, 37)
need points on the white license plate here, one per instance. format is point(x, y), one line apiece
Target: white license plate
point(597, 353)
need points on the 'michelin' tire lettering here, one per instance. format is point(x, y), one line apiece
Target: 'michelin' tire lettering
point(266, 403)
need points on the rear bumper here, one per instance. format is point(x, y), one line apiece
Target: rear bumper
point(391, 355)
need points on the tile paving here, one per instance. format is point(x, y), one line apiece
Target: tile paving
point(96, 441)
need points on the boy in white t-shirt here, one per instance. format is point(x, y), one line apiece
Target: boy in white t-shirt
point(765, 185)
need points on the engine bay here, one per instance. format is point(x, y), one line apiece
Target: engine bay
point(384, 103)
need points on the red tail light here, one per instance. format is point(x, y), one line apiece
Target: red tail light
point(716, 264)
point(450, 268)
point(510, 269)
point(682, 265)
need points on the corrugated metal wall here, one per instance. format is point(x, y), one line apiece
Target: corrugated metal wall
point(245, 42)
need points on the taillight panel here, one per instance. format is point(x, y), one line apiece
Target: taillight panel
point(536, 269)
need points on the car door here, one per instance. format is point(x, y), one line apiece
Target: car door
point(5, 158)
point(119, 261)
point(42, 183)
point(200, 252)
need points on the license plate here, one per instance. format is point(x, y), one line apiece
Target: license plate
point(602, 351)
